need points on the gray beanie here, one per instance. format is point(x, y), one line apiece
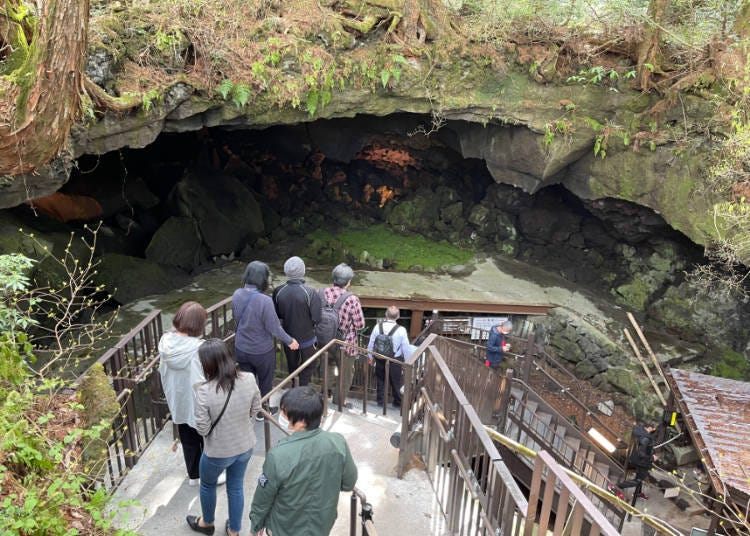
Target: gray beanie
point(294, 268)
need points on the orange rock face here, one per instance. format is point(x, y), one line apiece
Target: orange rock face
point(64, 207)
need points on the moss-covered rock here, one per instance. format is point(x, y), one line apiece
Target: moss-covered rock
point(100, 407)
point(128, 278)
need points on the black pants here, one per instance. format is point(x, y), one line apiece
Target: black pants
point(192, 448)
point(262, 365)
point(394, 378)
point(294, 358)
point(640, 475)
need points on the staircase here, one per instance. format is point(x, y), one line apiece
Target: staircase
point(532, 422)
point(517, 411)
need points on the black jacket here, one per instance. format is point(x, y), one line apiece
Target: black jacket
point(643, 452)
point(298, 307)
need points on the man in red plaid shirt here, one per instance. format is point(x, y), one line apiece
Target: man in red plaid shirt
point(351, 319)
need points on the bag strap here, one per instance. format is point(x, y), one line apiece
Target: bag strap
point(247, 303)
point(393, 330)
point(380, 326)
point(213, 425)
point(340, 301)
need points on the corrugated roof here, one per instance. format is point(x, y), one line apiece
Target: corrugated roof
point(720, 409)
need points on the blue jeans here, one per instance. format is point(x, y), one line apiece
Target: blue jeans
point(210, 469)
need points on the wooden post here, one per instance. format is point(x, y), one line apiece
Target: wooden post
point(645, 366)
point(415, 328)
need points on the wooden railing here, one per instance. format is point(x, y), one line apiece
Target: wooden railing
point(573, 507)
point(544, 373)
point(473, 486)
point(131, 365)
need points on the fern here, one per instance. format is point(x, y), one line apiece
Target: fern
point(241, 95)
point(225, 88)
point(312, 101)
point(385, 77)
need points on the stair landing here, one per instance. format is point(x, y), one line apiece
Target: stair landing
point(158, 483)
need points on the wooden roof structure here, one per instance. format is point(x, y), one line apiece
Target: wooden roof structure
point(716, 412)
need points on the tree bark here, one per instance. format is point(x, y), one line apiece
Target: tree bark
point(40, 101)
point(648, 49)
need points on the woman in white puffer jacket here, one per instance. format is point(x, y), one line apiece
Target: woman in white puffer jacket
point(180, 370)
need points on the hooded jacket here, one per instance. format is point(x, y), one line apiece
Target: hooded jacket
point(180, 369)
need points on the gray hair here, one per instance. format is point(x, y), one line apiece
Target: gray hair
point(392, 313)
point(506, 324)
point(342, 274)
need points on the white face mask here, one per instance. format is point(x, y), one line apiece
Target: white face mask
point(283, 421)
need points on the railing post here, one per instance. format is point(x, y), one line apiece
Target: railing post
point(353, 515)
point(503, 400)
point(406, 405)
point(528, 360)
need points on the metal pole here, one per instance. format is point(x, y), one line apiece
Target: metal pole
point(353, 515)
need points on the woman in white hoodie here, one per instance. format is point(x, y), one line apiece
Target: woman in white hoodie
point(180, 369)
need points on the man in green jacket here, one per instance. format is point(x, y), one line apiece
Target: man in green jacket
point(298, 491)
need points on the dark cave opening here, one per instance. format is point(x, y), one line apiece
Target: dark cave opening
point(218, 192)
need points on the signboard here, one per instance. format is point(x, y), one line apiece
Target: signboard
point(481, 325)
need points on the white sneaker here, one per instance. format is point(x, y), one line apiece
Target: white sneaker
point(219, 481)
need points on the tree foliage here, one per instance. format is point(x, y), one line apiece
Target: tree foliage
point(47, 440)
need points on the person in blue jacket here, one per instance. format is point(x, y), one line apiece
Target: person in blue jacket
point(498, 343)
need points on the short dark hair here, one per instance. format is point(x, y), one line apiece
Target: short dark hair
point(303, 404)
point(190, 318)
point(217, 363)
point(257, 274)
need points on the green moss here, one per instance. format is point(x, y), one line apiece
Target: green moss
point(100, 407)
point(732, 365)
point(633, 295)
point(383, 246)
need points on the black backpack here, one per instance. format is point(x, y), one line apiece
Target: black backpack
point(383, 343)
point(328, 328)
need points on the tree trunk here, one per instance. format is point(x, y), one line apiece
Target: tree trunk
point(40, 101)
point(648, 49)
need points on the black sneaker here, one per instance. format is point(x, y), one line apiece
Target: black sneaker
point(259, 417)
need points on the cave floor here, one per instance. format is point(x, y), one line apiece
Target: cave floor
point(488, 280)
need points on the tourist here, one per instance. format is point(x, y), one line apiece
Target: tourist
point(298, 307)
point(180, 369)
point(298, 490)
point(257, 325)
point(351, 319)
point(400, 348)
point(224, 407)
point(498, 344)
point(642, 458)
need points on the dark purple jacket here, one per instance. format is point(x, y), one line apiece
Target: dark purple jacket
point(257, 323)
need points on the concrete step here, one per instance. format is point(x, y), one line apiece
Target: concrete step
point(588, 458)
point(159, 487)
point(601, 475)
point(529, 410)
point(572, 445)
point(559, 437)
point(541, 425)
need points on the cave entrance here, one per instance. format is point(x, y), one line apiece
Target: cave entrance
point(354, 190)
